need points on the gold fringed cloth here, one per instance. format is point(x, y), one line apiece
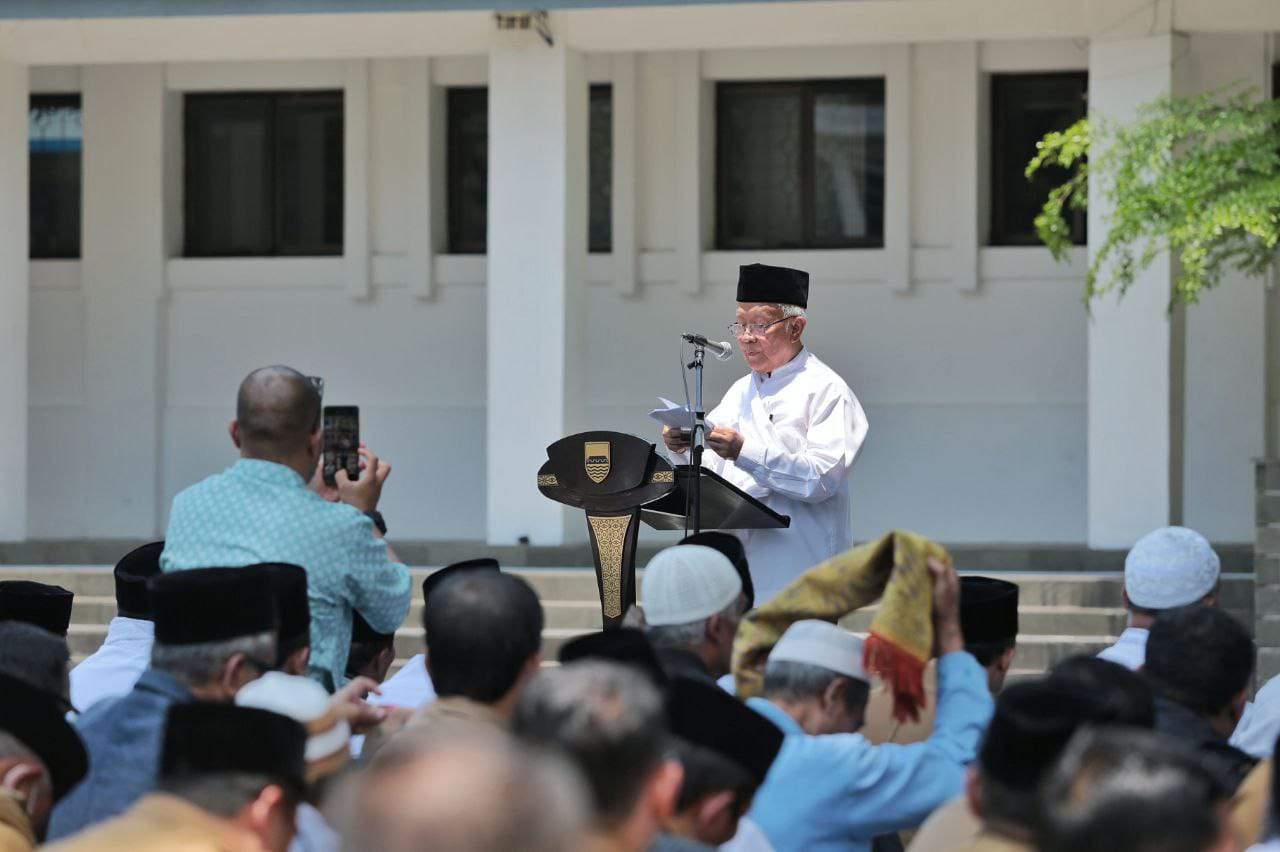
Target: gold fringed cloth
point(893, 569)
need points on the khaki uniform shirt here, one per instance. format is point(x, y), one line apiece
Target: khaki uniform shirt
point(453, 710)
point(879, 726)
point(16, 834)
point(951, 826)
point(1249, 808)
point(162, 823)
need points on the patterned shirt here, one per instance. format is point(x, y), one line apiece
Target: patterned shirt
point(261, 511)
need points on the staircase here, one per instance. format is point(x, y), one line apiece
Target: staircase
point(1061, 613)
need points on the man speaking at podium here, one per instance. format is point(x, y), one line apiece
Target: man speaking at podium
point(787, 433)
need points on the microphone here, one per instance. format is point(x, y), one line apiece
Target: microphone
point(722, 349)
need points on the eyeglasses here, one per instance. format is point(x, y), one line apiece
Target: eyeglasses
point(755, 329)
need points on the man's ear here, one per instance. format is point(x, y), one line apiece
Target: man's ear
point(663, 789)
point(973, 791)
point(716, 813)
point(257, 815)
point(315, 441)
point(1238, 704)
point(797, 327)
point(236, 672)
point(1005, 661)
point(833, 695)
point(234, 431)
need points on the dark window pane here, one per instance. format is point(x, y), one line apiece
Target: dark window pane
point(600, 169)
point(468, 155)
point(800, 165)
point(55, 135)
point(263, 174)
point(848, 168)
point(310, 169)
point(1024, 108)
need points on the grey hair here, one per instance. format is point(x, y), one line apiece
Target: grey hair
point(793, 681)
point(12, 747)
point(691, 633)
point(791, 311)
point(198, 663)
point(34, 656)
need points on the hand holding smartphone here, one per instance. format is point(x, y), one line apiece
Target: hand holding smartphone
point(341, 442)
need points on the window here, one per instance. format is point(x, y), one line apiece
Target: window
point(1024, 107)
point(600, 169)
point(264, 174)
point(800, 164)
point(468, 155)
point(54, 131)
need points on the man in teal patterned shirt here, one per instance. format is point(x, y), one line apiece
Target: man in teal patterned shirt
point(261, 509)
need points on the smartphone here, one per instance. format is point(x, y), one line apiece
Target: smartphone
point(341, 441)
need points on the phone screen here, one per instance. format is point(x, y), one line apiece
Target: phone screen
point(341, 441)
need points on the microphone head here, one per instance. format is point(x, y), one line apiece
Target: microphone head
point(726, 351)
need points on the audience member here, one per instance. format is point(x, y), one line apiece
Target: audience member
point(230, 778)
point(624, 645)
point(288, 585)
point(692, 600)
point(1168, 568)
point(731, 546)
point(41, 759)
point(115, 667)
point(35, 656)
point(829, 787)
point(989, 622)
point(327, 751)
point(372, 653)
point(485, 635)
point(725, 749)
point(1032, 724)
point(215, 632)
point(1200, 662)
point(411, 686)
point(609, 724)
point(41, 604)
point(261, 510)
point(465, 790)
point(1123, 790)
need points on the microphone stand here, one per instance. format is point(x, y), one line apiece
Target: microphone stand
point(697, 437)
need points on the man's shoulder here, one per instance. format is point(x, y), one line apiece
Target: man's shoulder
point(816, 370)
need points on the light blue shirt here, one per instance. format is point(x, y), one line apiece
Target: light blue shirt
point(260, 511)
point(837, 791)
point(123, 736)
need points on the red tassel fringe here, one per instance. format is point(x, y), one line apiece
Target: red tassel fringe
point(901, 672)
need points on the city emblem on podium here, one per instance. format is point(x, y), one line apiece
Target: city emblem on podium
point(596, 455)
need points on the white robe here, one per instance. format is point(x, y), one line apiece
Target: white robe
point(1259, 726)
point(116, 665)
point(1130, 649)
point(802, 429)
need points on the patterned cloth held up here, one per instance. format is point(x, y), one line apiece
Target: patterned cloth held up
point(893, 569)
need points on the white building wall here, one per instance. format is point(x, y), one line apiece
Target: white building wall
point(976, 397)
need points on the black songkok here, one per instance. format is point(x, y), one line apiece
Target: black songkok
point(988, 609)
point(288, 584)
point(204, 738)
point(731, 547)
point(37, 719)
point(773, 284)
point(133, 575)
point(435, 578)
point(625, 645)
point(211, 605)
point(362, 631)
point(711, 718)
point(36, 603)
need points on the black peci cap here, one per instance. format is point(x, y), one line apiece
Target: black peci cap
point(211, 605)
point(38, 720)
point(288, 584)
point(435, 578)
point(709, 717)
point(41, 604)
point(625, 645)
point(988, 609)
point(204, 738)
point(731, 547)
point(133, 575)
point(775, 284)
point(362, 631)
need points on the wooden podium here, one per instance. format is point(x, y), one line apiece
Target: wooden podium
point(619, 480)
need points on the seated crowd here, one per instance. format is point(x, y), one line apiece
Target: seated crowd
point(241, 700)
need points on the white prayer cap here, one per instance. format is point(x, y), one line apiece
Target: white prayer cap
point(1172, 566)
point(687, 583)
point(820, 643)
point(304, 700)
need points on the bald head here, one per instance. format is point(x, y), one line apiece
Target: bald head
point(277, 410)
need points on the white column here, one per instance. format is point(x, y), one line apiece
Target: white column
point(14, 312)
point(123, 257)
point(537, 257)
point(1134, 379)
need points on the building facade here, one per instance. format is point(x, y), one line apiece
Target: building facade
point(488, 238)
